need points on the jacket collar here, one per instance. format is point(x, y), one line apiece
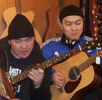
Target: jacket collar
point(71, 44)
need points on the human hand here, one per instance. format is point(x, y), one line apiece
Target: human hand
point(11, 99)
point(58, 80)
point(36, 76)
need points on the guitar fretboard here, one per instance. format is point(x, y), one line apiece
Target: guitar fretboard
point(18, 6)
point(61, 5)
point(87, 63)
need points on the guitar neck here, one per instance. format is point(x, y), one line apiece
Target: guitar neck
point(61, 4)
point(87, 63)
point(18, 6)
point(45, 64)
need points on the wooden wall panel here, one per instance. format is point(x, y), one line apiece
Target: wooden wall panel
point(40, 14)
point(39, 7)
point(72, 2)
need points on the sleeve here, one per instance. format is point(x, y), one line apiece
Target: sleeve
point(49, 50)
point(43, 92)
point(46, 52)
point(101, 62)
point(53, 71)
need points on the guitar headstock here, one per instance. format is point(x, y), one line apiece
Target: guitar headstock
point(88, 45)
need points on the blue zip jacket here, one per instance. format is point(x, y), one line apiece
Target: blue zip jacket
point(53, 45)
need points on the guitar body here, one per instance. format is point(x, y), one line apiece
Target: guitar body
point(77, 89)
point(53, 24)
point(8, 16)
point(5, 86)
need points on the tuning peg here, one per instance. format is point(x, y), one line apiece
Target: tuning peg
point(89, 47)
point(93, 43)
point(99, 44)
point(96, 38)
point(86, 42)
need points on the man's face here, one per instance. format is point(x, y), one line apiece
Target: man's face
point(22, 47)
point(72, 27)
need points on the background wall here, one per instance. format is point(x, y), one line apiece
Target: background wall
point(39, 7)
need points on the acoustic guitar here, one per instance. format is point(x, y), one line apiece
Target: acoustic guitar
point(13, 80)
point(81, 77)
point(5, 85)
point(10, 13)
point(53, 29)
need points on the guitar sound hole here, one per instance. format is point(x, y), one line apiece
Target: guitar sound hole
point(74, 73)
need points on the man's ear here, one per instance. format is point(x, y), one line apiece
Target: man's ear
point(60, 24)
point(8, 41)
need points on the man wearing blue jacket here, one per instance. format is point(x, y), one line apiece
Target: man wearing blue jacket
point(71, 22)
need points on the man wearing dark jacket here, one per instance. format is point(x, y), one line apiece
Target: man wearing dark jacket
point(19, 54)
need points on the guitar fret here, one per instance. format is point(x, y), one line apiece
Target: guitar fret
point(46, 64)
point(62, 57)
point(22, 76)
point(16, 78)
point(49, 63)
point(13, 80)
point(25, 75)
point(68, 54)
point(56, 60)
point(19, 77)
point(73, 51)
point(43, 65)
point(53, 61)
